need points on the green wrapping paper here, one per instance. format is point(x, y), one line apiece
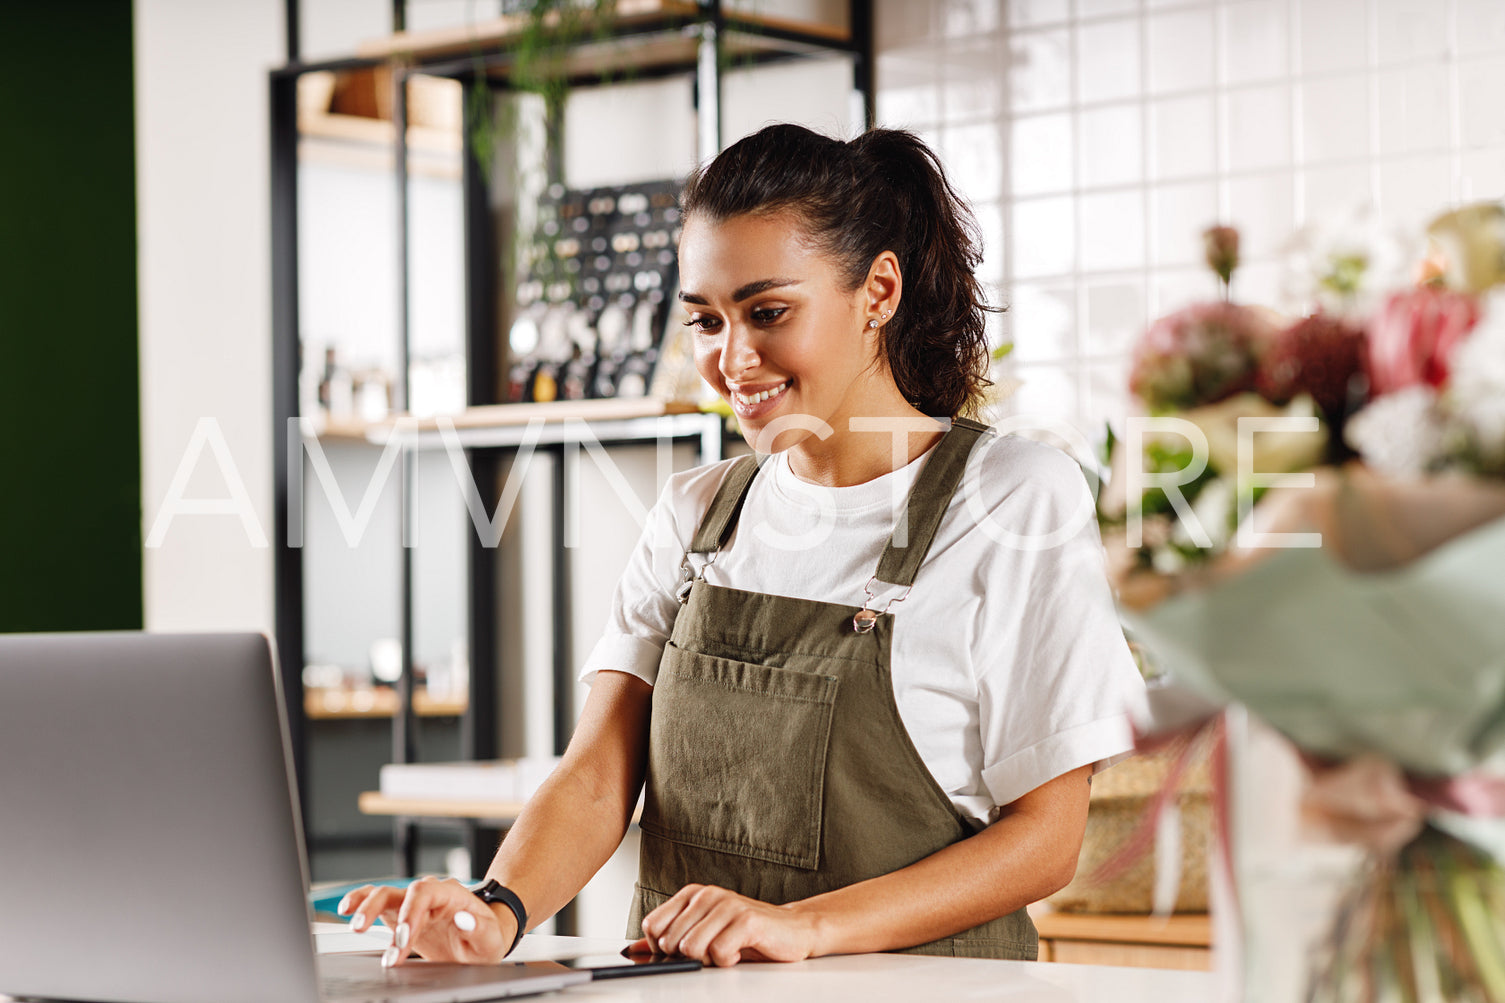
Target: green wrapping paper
point(1408, 663)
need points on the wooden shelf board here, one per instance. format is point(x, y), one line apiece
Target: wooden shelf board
point(630, 14)
point(605, 409)
point(1169, 956)
point(1185, 930)
point(377, 803)
point(318, 705)
point(343, 429)
point(513, 416)
point(377, 132)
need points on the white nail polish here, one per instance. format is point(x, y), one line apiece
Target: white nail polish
point(357, 922)
point(465, 921)
point(389, 957)
point(401, 937)
point(343, 907)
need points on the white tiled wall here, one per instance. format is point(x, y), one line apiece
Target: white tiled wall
point(1097, 138)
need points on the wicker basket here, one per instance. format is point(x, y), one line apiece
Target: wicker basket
point(1120, 798)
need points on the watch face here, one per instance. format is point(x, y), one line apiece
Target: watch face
point(491, 892)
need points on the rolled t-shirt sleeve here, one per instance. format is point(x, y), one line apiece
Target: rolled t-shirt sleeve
point(643, 606)
point(1062, 698)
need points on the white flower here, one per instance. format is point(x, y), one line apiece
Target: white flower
point(1274, 452)
point(1400, 433)
point(1475, 395)
point(1167, 561)
point(1344, 262)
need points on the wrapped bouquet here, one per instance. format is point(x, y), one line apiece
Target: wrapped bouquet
point(1309, 521)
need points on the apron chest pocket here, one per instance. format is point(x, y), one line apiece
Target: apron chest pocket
point(737, 757)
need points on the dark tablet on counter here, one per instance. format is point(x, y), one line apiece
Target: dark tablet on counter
point(625, 966)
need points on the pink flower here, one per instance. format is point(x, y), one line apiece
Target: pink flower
point(1199, 355)
point(1412, 337)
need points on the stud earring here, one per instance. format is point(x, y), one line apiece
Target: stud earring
point(872, 325)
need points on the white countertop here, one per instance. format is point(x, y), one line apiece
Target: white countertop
point(876, 978)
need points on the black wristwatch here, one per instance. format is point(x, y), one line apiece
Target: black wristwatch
point(493, 893)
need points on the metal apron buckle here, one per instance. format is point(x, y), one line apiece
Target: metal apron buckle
point(688, 576)
point(867, 617)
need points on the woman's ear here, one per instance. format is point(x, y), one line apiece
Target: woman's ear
point(884, 288)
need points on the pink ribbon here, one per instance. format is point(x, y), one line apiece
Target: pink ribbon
point(1478, 794)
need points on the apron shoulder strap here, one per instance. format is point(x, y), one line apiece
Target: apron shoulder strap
point(716, 525)
point(927, 503)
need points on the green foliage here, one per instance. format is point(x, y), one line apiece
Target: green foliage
point(554, 26)
point(1346, 274)
point(1167, 459)
point(537, 66)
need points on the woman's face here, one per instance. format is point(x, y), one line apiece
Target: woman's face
point(776, 333)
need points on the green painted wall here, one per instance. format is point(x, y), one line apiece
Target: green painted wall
point(70, 449)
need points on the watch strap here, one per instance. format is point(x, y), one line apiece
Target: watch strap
point(493, 892)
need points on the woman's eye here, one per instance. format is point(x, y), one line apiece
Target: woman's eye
point(767, 315)
point(702, 323)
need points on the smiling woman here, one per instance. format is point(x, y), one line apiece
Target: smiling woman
point(796, 347)
point(822, 773)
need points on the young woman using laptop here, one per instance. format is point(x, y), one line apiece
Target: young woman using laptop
point(865, 684)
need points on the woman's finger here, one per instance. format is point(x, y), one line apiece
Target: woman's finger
point(725, 915)
point(409, 922)
point(365, 911)
point(658, 919)
point(479, 936)
point(461, 925)
point(444, 921)
point(727, 947)
point(693, 910)
point(352, 898)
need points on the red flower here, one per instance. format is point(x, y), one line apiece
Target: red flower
point(1318, 355)
point(1412, 337)
point(1199, 355)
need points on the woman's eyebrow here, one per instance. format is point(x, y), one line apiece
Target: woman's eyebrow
point(743, 292)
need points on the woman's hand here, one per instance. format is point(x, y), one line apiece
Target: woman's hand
point(720, 927)
point(439, 920)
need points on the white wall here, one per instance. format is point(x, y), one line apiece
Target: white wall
point(1098, 138)
point(203, 211)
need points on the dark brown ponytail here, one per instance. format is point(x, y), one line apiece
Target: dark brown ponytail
point(883, 191)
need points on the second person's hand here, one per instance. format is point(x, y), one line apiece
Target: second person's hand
point(438, 920)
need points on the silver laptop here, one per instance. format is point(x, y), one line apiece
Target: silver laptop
point(150, 845)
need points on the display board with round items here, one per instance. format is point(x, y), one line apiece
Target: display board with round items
point(594, 303)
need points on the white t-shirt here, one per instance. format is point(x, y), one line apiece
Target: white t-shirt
point(1008, 662)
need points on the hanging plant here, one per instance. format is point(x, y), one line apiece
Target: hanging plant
point(538, 66)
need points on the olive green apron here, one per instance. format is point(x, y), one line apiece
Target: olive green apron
point(778, 765)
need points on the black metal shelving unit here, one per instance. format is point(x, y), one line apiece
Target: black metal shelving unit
point(671, 38)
